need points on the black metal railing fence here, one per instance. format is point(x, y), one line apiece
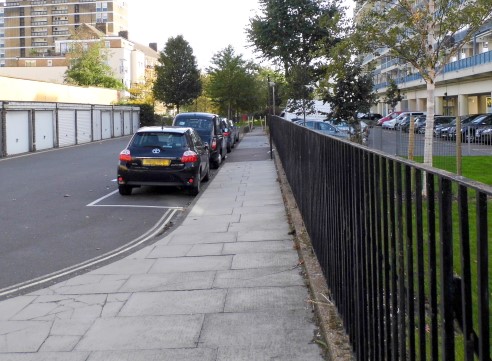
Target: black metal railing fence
point(404, 248)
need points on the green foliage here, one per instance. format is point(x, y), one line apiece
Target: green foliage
point(178, 77)
point(290, 32)
point(393, 95)
point(232, 84)
point(348, 88)
point(88, 67)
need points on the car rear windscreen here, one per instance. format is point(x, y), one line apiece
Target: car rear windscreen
point(160, 139)
point(198, 124)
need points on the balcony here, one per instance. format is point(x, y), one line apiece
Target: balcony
point(55, 12)
point(39, 33)
point(61, 32)
point(38, 2)
point(39, 23)
point(59, 1)
point(470, 62)
point(40, 12)
point(60, 22)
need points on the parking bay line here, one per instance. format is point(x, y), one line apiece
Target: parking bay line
point(94, 204)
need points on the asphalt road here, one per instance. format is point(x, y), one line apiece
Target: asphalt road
point(61, 208)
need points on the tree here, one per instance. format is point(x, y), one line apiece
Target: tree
point(393, 95)
point(290, 32)
point(88, 66)
point(232, 85)
point(178, 77)
point(424, 34)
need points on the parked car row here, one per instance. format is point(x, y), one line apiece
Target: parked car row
point(474, 128)
point(180, 155)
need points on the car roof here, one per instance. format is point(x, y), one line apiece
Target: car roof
point(161, 129)
point(196, 115)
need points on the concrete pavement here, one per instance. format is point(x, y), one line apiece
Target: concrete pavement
point(224, 285)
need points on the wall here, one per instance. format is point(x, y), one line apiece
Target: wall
point(12, 89)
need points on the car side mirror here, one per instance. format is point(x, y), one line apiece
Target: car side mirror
point(206, 145)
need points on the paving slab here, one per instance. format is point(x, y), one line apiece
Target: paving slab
point(23, 336)
point(174, 303)
point(268, 259)
point(169, 282)
point(256, 329)
point(257, 247)
point(142, 333)
point(202, 237)
point(260, 277)
point(265, 298)
point(189, 354)
point(45, 356)
point(280, 234)
point(192, 264)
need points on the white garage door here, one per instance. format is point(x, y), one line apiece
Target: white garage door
point(17, 132)
point(136, 121)
point(117, 132)
point(44, 133)
point(84, 127)
point(66, 127)
point(127, 122)
point(96, 125)
point(106, 124)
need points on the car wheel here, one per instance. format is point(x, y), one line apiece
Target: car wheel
point(195, 189)
point(206, 177)
point(218, 160)
point(125, 190)
point(229, 148)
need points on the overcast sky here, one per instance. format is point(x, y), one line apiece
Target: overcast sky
point(208, 26)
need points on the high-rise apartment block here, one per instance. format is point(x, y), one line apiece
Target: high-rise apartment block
point(463, 87)
point(32, 27)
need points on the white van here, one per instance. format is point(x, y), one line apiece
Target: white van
point(319, 110)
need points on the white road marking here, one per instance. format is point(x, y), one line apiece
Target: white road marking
point(66, 271)
point(94, 204)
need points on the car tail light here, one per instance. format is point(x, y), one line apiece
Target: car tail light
point(189, 157)
point(226, 134)
point(214, 144)
point(125, 156)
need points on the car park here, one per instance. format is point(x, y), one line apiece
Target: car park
point(164, 156)
point(484, 135)
point(210, 129)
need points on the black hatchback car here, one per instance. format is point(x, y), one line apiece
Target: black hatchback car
point(210, 129)
point(164, 156)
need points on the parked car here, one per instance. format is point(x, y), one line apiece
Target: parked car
point(325, 128)
point(395, 122)
point(163, 156)
point(450, 132)
point(209, 128)
point(235, 130)
point(469, 130)
point(388, 117)
point(484, 135)
point(421, 122)
point(228, 132)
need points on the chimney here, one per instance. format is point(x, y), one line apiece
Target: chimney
point(103, 27)
point(153, 46)
point(123, 34)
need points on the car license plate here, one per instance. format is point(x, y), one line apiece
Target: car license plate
point(156, 162)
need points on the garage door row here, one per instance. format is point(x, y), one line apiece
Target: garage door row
point(30, 127)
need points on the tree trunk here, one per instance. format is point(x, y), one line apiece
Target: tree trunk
point(429, 121)
point(411, 138)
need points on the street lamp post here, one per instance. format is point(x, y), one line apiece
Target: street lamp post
point(272, 84)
